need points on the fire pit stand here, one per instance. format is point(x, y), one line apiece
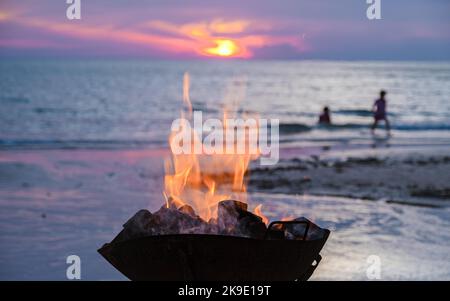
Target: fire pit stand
point(191, 257)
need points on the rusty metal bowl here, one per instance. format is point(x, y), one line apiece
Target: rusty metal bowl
point(203, 257)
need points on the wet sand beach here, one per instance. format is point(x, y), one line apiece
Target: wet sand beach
point(388, 202)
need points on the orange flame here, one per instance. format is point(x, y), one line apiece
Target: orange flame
point(202, 180)
point(258, 212)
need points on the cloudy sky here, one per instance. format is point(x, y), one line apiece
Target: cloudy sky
point(250, 29)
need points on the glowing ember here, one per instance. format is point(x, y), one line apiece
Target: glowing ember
point(203, 180)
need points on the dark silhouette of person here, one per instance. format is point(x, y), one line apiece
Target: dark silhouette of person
point(379, 112)
point(325, 118)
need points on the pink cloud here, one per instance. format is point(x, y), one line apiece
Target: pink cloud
point(190, 39)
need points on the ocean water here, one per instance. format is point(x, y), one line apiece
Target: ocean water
point(131, 103)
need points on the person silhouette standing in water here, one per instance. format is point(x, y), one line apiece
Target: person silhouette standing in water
point(379, 112)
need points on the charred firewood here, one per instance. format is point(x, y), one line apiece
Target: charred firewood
point(164, 221)
point(173, 221)
point(186, 209)
point(137, 226)
point(298, 231)
point(234, 219)
point(252, 226)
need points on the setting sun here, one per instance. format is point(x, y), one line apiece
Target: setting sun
point(223, 48)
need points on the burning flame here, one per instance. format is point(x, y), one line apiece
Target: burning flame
point(203, 180)
point(258, 212)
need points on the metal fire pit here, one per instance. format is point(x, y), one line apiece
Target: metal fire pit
point(192, 257)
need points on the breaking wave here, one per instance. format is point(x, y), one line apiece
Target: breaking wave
point(295, 128)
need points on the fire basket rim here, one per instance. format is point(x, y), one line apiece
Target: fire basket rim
point(325, 236)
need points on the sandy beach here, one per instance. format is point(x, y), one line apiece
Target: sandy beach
point(412, 177)
point(391, 202)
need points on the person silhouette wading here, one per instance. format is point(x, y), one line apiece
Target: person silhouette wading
point(325, 118)
point(379, 112)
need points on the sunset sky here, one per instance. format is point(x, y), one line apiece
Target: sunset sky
point(251, 29)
